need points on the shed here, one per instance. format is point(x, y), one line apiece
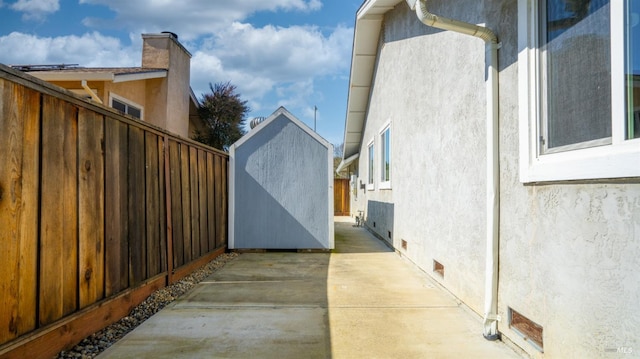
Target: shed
point(281, 187)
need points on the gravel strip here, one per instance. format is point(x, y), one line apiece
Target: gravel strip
point(96, 343)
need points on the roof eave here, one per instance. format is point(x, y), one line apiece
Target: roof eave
point(365, 48)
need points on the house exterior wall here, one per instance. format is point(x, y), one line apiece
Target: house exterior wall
point(281, 189)
point(569, 251)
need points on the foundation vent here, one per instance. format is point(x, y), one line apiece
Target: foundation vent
point(389, 234)
point(438, 268)
point(530, 331)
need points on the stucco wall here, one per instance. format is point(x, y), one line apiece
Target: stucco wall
point(434, 95)
point(281, 189)
point(569, 252)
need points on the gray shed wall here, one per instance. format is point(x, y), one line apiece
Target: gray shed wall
point(281, 189)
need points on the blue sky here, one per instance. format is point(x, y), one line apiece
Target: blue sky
point(292, 53)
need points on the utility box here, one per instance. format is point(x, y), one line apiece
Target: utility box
point(281, 187)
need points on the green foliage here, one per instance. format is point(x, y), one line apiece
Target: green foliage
point(224, 114)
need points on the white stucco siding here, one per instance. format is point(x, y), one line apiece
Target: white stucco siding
point(569, 251)
point(433, 93)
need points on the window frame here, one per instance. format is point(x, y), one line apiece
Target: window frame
point(128, 103)
point(371, 165)
point(385, 184)
point(614, 160)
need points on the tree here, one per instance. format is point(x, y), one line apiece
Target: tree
point(224, 114)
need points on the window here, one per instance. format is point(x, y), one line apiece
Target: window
point(370, 184)
point(126, 106)
point(579, 92)
point(385, 157)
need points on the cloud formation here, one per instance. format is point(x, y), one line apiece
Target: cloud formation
point(189, 19)
point(35, 9)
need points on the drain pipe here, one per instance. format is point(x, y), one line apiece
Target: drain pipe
point(491, 317)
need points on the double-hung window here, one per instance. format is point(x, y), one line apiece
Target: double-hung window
point(579, 92)
point(385, 157)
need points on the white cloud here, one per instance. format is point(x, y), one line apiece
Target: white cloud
point(189, 19)
point(35, 9)
point(91, 50)
point(281, 63)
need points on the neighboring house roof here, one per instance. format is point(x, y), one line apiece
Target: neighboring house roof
point(112, 74)
point(365, 47)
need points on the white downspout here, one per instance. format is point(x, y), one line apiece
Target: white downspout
point(94, 97)
point(491, 317)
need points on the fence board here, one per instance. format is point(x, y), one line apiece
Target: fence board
point(162, 205)
point(91, 206)
point(195, 207)
point(211, 204)
point(176, 204)
point(186, 202)
point(202, 200)
point(223, 205)
point(218, 198)
point(116, 207)
point(153, 204)
point(19, 146)
point(59, 216)
point(137, 218)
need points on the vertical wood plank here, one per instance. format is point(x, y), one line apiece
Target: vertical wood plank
point(195, 207)
point(202, 201)
point(90, 206)
point(186, 201)
point(116, 207)
point(211, 204)
point(136, 194)
point(59, 215)
point(163, 206)
point(19, 185)
point(152, 204)
point(176, 204)
point(218, 199)
point(225, 206)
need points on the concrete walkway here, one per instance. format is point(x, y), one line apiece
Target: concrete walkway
point(361, 301)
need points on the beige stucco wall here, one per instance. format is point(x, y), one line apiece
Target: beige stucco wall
point(569, 252)
point(162, 51)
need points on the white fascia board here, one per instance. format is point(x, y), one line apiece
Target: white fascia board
point(365, 47)
point(140, 76)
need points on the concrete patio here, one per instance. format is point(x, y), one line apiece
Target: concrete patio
point(360, 301)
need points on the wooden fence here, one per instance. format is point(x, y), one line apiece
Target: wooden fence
point(97, 210)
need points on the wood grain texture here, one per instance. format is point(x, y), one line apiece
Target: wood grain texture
point(186, 202)
point(202, 201)
point(211, 203)
point(163, 205)
point(91, 206)
point(116, 207)
point(176, 205)
point(217, 162)
point(19, 184)
point(195, 208)
point(152, 186)
point(59, 211)
point(136, 194)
